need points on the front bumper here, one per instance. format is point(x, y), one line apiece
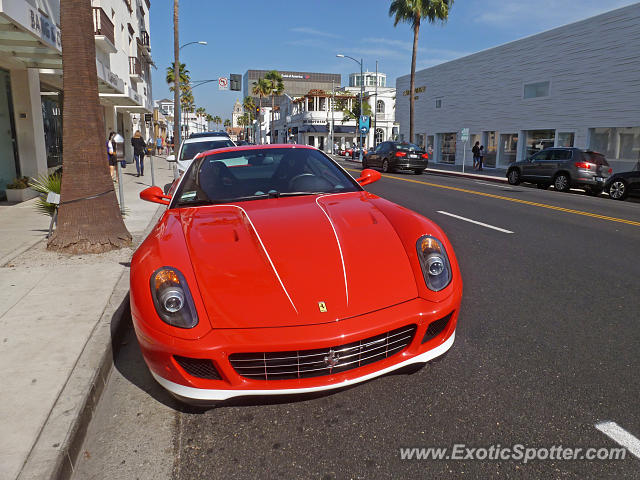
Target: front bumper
point(159, 350)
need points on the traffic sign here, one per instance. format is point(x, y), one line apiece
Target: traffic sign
point(464, 134)
point(363, 123)
point(223, 83)
point(364, 129)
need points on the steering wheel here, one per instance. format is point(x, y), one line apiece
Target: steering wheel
point(297, 177)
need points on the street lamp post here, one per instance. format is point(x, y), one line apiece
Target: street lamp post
point(340, 55)
point(176, 97)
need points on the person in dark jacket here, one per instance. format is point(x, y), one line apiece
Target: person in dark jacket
point(476, 155)
point(139, 149)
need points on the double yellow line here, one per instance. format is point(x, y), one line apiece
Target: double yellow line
point(516, 200)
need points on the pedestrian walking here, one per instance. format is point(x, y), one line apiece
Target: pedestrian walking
point(139, 149)
point(111, 154)
point(481, 157)
point(159, 146)
point(476, 155)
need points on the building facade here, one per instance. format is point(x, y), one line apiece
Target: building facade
point(31, 79)
point(370, 79)
point(576, 85)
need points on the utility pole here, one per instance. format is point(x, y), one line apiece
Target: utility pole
point(375, 108)
point(333, 95)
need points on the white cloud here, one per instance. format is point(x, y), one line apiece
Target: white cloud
point(314, 32)
point(408, 47)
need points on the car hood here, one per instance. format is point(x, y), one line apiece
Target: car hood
point(271, 262)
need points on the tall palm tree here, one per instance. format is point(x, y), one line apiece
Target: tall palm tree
point(276, 87)
point(200, 112)
point(185, 77)
point(261, 89)
point(249, 106)
point(89, 219)
point(414, 12)
point(176, 86)
point(227, 123)
point(217, 120)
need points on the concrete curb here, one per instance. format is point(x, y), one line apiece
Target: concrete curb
point(58, 445)
point(477, 176)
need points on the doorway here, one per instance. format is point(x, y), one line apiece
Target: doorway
point(9, 165)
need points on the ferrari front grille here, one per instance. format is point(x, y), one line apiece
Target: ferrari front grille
point(198, 367)
point(322, 361)
point(436, 328)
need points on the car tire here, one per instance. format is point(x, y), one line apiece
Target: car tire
point(385, 166)
point(513, 176)
point(418, 171)
point(618, 190)
point(562, 182)
point(543, 186)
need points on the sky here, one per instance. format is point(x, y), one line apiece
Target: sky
point(306, 35)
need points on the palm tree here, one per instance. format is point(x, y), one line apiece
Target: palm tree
point(217, 120)
point(185, 77)
point(413, 12)
point(209, 119)
point(176, 86)
point(89, 218)
point(249, 106)
point(276, 87)
point(201, 112)
point(227, 123)
point(260, 88)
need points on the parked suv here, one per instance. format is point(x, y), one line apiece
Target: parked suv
point(197, 144)
point(563, 168)
point(392, 156)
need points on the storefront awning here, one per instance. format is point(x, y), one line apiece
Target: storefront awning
point(313, 129)
point(344, 129)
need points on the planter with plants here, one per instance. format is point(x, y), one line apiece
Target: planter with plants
point(19, 191)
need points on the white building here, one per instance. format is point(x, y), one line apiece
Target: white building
point(31, 79)
point(237, 112)
point(576, 85)
point(369, 79)
point(191, 121)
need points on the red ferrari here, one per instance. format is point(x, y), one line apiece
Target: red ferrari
point(273, 272)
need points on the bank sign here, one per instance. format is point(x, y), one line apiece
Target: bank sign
point(31, 19)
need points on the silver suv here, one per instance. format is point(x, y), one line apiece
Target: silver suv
point(563, 168)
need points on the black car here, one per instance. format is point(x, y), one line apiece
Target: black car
point(392, 156)
point(623, 184)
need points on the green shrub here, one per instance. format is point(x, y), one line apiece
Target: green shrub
point(19, 183)
point(45, 184)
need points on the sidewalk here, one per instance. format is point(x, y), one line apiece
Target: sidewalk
point(55, 318)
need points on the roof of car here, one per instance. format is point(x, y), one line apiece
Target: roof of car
point(209, 134)
point(201, 138)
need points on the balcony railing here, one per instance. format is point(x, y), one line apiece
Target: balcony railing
point(102, 25)
point(135, 68)
point(144, 39)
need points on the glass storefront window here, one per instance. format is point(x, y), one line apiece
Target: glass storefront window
point(565, 139)
point(537, 140)
point(52, 121)
point(619, 144)
point(490, 149)
point(508, 148)
point(9, 166)
point(448, 147)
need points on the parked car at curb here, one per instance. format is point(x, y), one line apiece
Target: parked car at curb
point(253, 280)
point(391, 156)
point(564, 168)
point(198, 143)
point(623, 184)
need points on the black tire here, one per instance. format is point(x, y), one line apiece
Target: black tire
point(562, 182)
point(618, 190)
point(513, 176)
point(364, 163)
point(543, 186)
point(418, 171)
point(385, 166)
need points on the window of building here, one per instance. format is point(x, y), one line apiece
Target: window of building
point(535, 90)
point(490, 149)
point(438, 103)
point(621, 144)
point(311, 141)
point(508, 148)
point(52, 122)
point(537, 140)
point(448, 147)
point(379, 137)
point(379, 106)
point(565, 139)
point(420, 140)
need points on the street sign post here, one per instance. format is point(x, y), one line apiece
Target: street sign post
point(464, 136)
point(223, 83)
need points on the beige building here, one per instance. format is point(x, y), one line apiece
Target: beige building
point(31, 79)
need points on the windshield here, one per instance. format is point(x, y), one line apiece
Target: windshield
point(261, 173)
point(190, 150)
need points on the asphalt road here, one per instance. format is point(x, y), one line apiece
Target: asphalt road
point(546, 347)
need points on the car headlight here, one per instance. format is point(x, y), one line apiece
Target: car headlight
point(172, 298)
point(434, 262)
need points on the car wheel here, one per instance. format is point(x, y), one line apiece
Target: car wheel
point(418, 171)
point(513, 176)
point(562, 183)
point(385, 166)
point(618, 190)
point(543, 186)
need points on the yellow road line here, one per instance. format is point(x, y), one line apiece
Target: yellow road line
point(516, 200)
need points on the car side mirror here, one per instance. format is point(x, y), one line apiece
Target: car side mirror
point(171, 158)
point(368, 176)
point(155, 195)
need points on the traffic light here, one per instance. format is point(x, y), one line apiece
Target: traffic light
point(235, 80)
point(258, 112)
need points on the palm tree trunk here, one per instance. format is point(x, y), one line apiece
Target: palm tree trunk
point(412, 99)
point(259, 114)
point(271, 126)
point(177, 120)
point(89, 219)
